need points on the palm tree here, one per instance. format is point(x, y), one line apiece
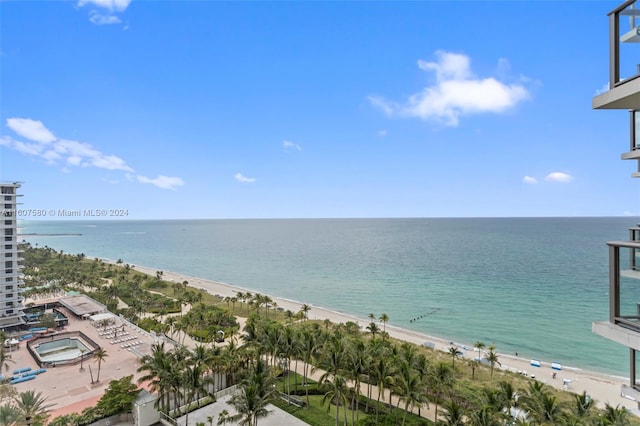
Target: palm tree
point(309, 349)
point(357, 369)
point(485, 416)
point(614, 416)
point(99, 356)
point(583, 404)
point(32, 407)
point(373, 329)
point(409, 388)
point(423, 370)
point(442, 380)
point(159, 368)
point(384, 378)
point(288, 315)
point(194, 383)
point(385, 319)
point(82, 351)
point(453, 414)
point(334, 359)
point(223, 417)
point(479, 346)
point(473, 364)
point(305, 310)
point(543, 407)
point(254, 395)
point(506, 396)
point(9, 415)
point(492, 358)
point(455, 353)
point(337, 393)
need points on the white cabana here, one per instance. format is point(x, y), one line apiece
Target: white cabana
point(106, 316)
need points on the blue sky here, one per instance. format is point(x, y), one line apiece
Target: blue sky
point(312, 109)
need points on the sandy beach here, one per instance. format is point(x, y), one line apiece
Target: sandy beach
point(602, 388)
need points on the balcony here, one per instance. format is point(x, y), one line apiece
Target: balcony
point(624, 70)
point(624, 284)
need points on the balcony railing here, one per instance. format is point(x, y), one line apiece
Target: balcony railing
point(624, 284)
point(624, 39)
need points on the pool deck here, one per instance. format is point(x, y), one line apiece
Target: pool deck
point(68, 387)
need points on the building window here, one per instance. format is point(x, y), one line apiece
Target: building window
point(635, 129)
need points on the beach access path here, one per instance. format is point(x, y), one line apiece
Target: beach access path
point(601, 387)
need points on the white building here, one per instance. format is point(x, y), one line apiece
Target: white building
point(11, 303)
point(623, 325)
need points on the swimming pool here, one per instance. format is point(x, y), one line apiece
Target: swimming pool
point(62, 349)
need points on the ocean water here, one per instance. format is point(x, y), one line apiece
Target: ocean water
point(527, 285)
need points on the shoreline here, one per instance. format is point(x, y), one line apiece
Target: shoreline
point(602, 387)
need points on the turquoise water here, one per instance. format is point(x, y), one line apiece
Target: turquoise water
point(528, 285)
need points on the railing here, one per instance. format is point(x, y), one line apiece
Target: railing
point(622, 38)
point(624, 284)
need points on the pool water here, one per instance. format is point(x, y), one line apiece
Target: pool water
point(61, 350)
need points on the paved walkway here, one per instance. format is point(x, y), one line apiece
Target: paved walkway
point(276, 417)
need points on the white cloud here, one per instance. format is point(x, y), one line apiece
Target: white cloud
point(529, 180)
point(387, 107)
point(627, 213)
point(558, 177)
point(110, 162)
point(456, 92)
point(382, 133)
point(100, 19)
point(27, 148)
point(45, 146)
point(288, 145)
point(31, 129)
point(111, 5)
point(603, 89)
point(83, 154)
point(243, 179)
point(164, 182)
point(74, 160)
point(50, 156)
